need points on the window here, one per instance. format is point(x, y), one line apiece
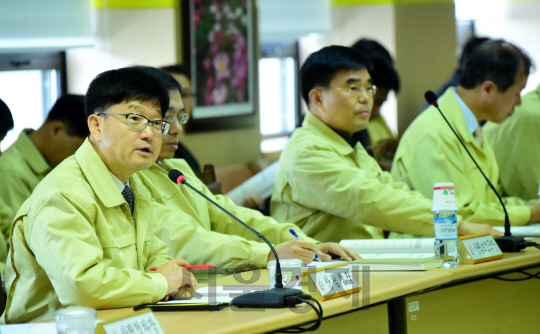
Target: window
point(278, 94)
point(30, 83)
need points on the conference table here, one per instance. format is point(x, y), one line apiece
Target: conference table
point(500, 296)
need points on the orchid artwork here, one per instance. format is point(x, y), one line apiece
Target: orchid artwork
point(221, 56)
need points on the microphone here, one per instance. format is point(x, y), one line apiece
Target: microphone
point(276, 297)
point(507, 243)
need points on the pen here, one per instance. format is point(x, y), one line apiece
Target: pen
point(298, 238)
point(199, 266)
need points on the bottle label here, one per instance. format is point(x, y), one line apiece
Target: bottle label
point(446, 228)
point(444, 197)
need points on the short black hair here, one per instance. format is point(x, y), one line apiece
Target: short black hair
point(165, 78)
point(69, 109)
point(322, 66)
point(372, 47)
point(469, 47)
point(6, 119)
point(495, 60)
point(122, 85)
point(178, 69)
point(384, 73)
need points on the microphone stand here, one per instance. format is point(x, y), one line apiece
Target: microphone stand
point(276, 297)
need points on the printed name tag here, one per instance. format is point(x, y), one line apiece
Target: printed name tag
point(330, 282)
point(140, 322)
point(479, 248)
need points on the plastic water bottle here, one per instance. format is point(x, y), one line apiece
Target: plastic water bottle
point(445, 222)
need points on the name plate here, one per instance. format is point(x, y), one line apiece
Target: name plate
point(479, 248)
point(329, 281)
point(139, 322)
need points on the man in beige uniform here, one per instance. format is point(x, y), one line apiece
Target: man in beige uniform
point(327, 184)
point(84, 237)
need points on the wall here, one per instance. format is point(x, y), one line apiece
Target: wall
point(425, 53)
point(150, 36)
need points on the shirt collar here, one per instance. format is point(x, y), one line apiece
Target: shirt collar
point(472, 122)
point(351, 140)
point(119, 183)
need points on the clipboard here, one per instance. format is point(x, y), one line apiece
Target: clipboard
point(170, 307)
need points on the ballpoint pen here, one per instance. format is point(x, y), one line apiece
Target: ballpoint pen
point(298, 238)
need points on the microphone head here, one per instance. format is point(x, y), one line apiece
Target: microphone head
point(431, 97)
point(176, 176)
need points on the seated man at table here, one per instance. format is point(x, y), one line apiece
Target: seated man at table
point(84, 236)
point(516, 143)
point(36, 152)
point(429, 152)
point(327, 184)
point(217, 239)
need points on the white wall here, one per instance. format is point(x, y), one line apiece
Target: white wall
point(124, 37)
point(519, 23)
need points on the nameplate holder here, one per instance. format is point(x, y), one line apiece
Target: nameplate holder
point(478, 248)
point(139, 322)
point(327, 282)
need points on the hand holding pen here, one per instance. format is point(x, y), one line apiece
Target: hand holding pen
point(293, 232)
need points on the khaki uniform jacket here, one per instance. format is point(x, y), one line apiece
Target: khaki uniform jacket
point(378, 130)
point(516, 143)
point(202, 233)
point(75, 242)
point(22, 167)
point(335, 192)
point(430, 153)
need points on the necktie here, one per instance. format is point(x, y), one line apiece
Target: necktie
point(478, 135)
point(128, 196)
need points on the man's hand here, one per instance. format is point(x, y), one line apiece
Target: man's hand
point(467, 228)
point(535, 212)
point(252, 202)
point(180, 281)
point(329, 250)
point(295, 249)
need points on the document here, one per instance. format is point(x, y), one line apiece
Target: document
point(260, 185)
point(532, 230)
point(393, 254)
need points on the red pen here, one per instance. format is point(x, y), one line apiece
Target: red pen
point(199, 266)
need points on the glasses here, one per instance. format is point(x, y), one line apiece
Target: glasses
point(137, 121)
point(357, 90)
point(182, 117)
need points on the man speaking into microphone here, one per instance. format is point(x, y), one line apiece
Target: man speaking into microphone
point(429, 152)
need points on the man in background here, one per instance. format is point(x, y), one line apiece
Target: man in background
point(516, 143)
point(6, 121)
point(429, 152)
point(182, 74)
point(36, 152)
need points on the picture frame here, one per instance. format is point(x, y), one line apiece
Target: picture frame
point(219, 45)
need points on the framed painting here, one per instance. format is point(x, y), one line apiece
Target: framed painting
point(223, 64)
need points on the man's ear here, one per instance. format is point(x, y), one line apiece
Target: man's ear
point(488, 88)
point(316, 97)
point(58, 127)
point(94, 125)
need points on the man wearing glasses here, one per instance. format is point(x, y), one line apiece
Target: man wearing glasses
point(84, 237)
point(327, 184)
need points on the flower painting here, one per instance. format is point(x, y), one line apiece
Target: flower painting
point(221, 57)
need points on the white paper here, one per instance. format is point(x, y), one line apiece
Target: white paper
point(31, 328)
point(522, 231)
point(377, 246)
point(259, 185)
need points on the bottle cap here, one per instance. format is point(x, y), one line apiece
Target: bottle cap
point(444, 197)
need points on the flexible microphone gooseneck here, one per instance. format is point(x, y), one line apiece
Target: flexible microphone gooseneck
point(507, 243)
point(273, 298)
